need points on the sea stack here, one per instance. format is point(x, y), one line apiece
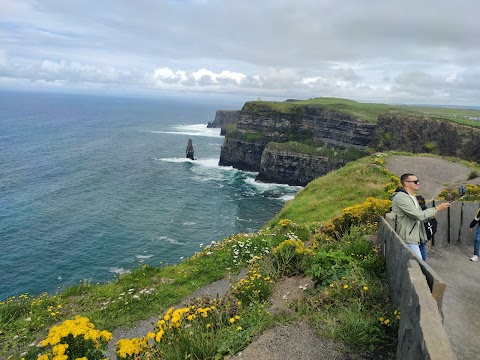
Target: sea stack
point(190, 150)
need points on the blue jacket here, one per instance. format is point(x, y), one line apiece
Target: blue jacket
point(409, 221)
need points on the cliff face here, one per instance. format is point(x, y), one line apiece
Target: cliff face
point(419, 134)
point(294, 168)
point(259, 125)
point(222, 118)
point(317, 123)
point(241, 154)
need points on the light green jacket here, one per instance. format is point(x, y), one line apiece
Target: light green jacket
point(409, 221)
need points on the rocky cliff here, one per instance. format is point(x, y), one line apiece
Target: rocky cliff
point(222, 118)
point(294, 167)
point(420, 134)
point(259, 124)
point(294, 142)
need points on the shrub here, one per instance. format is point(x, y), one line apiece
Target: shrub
point(329, 266)
point(430, 146)
point(450, 194)
point(291, 257)
point(473, 175)
point(74, 339)
point(361, 214)
point(255, 286)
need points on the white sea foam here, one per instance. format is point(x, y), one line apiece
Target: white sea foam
point(119, 271)
point(189, 223)
point(209, 162)
point(244, 220)
point(190, 130)
point(170, 240)
point(286, 197)
point(270, 186)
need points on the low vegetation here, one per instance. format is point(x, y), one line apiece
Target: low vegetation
point(350, 154)
point(368, 112)
point(322, 233)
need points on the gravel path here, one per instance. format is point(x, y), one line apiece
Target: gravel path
point(434, 173)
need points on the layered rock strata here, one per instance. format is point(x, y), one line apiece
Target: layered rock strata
point(419, 134)
point(222, 118)
point(258, 125)
point(294, 168)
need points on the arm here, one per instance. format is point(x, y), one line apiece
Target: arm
point(475, 220)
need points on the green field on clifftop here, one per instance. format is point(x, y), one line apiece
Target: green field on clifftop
point(369, 112)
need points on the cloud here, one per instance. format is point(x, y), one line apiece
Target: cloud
point(400, 49)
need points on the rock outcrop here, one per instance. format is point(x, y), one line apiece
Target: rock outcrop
point(259, 124)
point(190, 152)
point(222, 118)
point(294, 168)
point(419, 134)
point(325, 139)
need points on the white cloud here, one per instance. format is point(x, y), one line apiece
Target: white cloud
point(396, 50)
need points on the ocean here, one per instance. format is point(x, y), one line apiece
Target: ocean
point(90, 186)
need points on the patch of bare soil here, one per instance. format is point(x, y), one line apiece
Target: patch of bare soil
point(292, 341)
point(298, 340)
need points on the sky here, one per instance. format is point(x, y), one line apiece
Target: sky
point(384, 51)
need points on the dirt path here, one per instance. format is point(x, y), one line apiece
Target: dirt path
point(434, 173)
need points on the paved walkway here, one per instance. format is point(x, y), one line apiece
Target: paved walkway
point(461, 301)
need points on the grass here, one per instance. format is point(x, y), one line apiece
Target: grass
point(349, 304)
point(325, 197)
point(368, 112)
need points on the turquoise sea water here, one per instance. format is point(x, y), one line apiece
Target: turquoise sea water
point(90, 186)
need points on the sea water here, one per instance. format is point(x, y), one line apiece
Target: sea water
point(90, 186)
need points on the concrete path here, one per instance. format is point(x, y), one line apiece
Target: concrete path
point(461, 301)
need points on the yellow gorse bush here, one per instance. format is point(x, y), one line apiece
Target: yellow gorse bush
point(365, 213)
point(75, 339)
point(393, 184)
point(132, 348)
point(472, 194)
point(291, 257)
point(183, 330)
point(255, 286)
point(284, 222)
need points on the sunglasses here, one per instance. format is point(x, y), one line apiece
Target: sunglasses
point(413, 181)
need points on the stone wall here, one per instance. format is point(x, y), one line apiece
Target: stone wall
point(453, 224)
point(415, 288)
